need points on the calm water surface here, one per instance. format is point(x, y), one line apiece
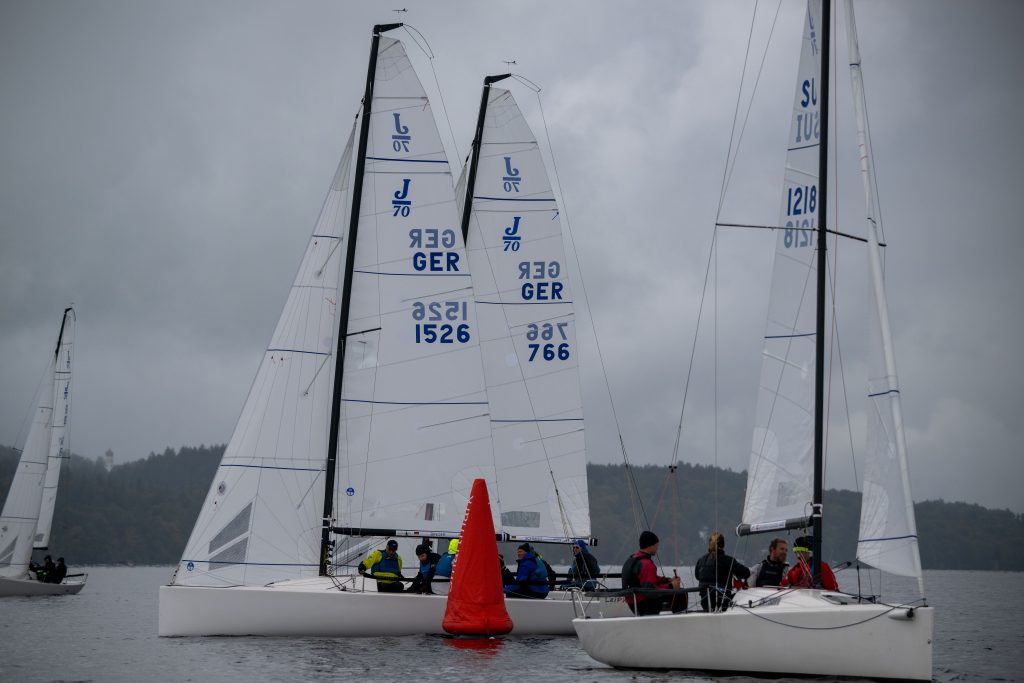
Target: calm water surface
point(108, 633)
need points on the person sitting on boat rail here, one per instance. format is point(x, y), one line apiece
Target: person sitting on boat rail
point(386, 567)
point(59, 572)
point(771, 571)
point(585, 568)
point(531, 579)
point(444, 569)
point(800, 575)
point(43, 571)
point(715, 572)
point(639, 571)
point(428, 563)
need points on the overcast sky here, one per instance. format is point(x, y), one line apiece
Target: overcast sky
point(162, 165)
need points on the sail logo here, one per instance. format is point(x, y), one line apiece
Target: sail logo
point(511, 178)
point(511, 238)
point(401, 138)
point(401, 204)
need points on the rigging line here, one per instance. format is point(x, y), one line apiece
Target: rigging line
point(735, 115)
point(714, 346)
point(579, 270)
point(750, 104)
point(409, 28)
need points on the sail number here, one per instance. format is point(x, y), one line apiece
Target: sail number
point(801, 200)
point(432, 328)
point(545, 332)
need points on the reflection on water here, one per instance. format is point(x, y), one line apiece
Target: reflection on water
point(108, 633)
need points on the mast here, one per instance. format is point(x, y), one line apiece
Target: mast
point(346, 299)
point(819, 361)
point(467, 207)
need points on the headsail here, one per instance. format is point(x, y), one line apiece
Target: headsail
point(779, 479)
point(888, 531)
point(261, 518)
point(528, 333)
point(58, 430)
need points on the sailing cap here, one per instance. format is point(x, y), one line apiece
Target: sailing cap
point(526, 547)
point(393, 544)
point(453, 546)
point(803, 544)
point(648, 538)
point(422, 549)
point(581, 543)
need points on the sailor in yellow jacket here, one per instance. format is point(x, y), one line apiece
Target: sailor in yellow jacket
point(384, 565)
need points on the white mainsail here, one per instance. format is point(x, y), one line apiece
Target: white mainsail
point(528, 333)
point(58, 431)
point(413, 414)
point(779, 478)
point(414, 430)
point(888, 531)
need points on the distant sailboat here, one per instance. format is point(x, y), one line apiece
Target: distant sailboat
point(369, 415)
point(28, 511)
point(806, 631)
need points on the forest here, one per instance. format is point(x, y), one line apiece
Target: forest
point(141, 512)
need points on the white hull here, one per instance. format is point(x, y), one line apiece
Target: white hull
point(802, 633)
point(318, 607)
point(30, 587)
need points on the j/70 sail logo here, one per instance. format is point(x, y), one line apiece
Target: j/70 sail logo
point(511, 178)
point(401, 138)
point(512, 237)
point(401, 203)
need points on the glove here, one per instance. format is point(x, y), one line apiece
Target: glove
point(362, 570)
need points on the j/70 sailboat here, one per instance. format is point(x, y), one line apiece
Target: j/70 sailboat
point(370, 413)
point(28, 511)
point(806, 631)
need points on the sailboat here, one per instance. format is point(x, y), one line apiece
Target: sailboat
point(28, 511)
point(806, 631)
point(369, 416)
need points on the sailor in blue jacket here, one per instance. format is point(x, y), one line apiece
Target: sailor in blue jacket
point(531, 575)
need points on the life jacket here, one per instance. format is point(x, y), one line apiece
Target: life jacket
point(444, 565)
point(549, 572)
point(387, 565)
point(771, 573)
point(631, 572)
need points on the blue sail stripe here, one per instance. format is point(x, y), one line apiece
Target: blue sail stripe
point(411, 161)
point(255, 564)
point(883, 393)
point(514, 199)
point(793, 149)
point(377, 272)
point(550, 419)
point(415, 403)
point(524, 303)
point(890, 538)
point(329, 237)
point(274, 467)
point(311, 353)
point(789, 336)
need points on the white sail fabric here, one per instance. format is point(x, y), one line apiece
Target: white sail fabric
point(528, 334)
point(58, 430)
point(21, 509)
point(414, 415)
point(887, 538)
point(261, 520)
point(779, 479)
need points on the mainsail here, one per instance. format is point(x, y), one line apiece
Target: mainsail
point(527, 331)
point(779, 478)
point(888, 531)
point(413, 413)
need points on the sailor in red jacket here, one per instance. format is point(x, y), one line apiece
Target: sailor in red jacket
point(800, 575)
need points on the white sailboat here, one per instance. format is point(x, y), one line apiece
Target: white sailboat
point(806, 631)
point(329, 457)
point(28, 511)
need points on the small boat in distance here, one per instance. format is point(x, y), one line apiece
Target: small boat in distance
point(28, 510)
point(788, 630)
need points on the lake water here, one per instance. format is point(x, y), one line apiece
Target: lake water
point(108, 633)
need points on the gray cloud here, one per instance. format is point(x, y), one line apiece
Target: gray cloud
point(161, 165)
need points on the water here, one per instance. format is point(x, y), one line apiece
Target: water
point(108, 633)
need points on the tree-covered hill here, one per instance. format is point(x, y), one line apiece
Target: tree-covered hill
point(142, 512)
